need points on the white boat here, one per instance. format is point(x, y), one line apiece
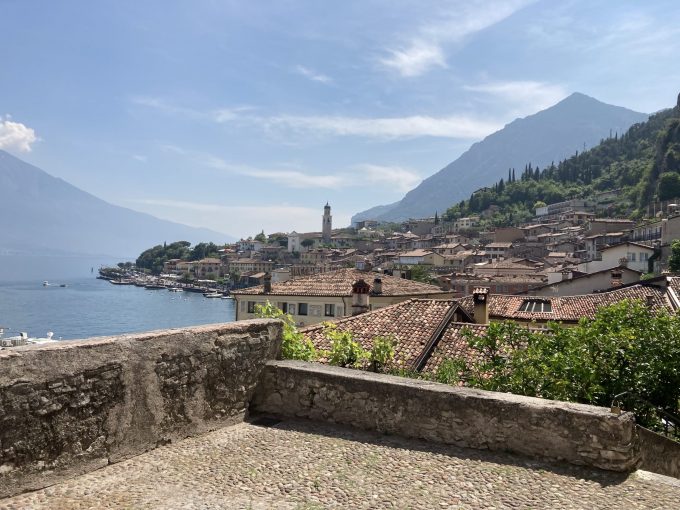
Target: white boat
point(175, 289)
point(46, 283)
point(213, 295)
point(227, 297)
point(46, 340)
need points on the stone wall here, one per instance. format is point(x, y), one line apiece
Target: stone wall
point(580, 434)
point(74, 406)
point(659, 454)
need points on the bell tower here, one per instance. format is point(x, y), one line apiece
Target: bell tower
point(326, 224)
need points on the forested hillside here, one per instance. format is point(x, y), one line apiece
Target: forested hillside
point(643, 164)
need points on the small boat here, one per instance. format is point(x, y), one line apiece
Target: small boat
point(175, 289)
point(213, 295)
point(63, 285)
point(46, 283)
point(227, 297)
point(46, 340)
point(154, 286)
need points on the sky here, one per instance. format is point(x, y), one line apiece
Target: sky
point(243, 116)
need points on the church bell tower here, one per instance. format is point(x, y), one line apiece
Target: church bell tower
point(327, 224)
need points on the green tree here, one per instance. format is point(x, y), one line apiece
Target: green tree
point(674, 259)
point(626, 347)
point(307, 242)
point(261, 237)
point(669, 186)
point(420, 273)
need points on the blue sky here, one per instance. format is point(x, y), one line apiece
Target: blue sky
point(248, 115)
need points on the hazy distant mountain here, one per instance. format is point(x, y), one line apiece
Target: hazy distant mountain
point(549, 135)
point(44, 215)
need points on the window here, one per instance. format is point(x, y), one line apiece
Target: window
point(536, 306)
point(329, 310)
point(282, 306)
point(302, 308)
point(251, 306)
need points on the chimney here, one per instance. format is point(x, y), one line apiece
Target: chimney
point(267, 283)
point(566, 274)
point(377, 285)
point(480, 298)
point(360, 290)
point(649, 300)
point(617, 277)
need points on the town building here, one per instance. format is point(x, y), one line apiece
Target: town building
point(316, 298)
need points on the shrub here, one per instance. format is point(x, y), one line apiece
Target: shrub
point(294, 344)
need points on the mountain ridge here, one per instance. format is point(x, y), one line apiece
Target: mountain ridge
point(552, 134)
point(44, 214)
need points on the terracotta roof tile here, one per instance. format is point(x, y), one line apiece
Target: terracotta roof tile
point(454, 344)
point(568, 308)
point(339, 283)
point(411, 323)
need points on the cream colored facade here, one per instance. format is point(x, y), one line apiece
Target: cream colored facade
point(318, 308)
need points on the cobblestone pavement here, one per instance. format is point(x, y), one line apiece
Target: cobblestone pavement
point(304, 465)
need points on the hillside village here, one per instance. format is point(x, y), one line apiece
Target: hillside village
point(567, 250)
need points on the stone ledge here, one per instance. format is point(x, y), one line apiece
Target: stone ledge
point(576, 433)
point(74, 406)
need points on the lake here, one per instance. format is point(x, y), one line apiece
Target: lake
point(90, 307)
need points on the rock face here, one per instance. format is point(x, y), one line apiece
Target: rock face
point(72, 407)
point(549, 135)
point(576, 433)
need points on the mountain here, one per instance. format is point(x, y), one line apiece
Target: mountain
point(553, 134)
point(43, 215)
point(627, 175)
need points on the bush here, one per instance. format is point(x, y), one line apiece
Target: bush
point(294, 344)
point(345, 351)
point(381, 355)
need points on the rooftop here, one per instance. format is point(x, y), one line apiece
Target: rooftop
point(299, 464)
point(339, 283)
point(570, 308)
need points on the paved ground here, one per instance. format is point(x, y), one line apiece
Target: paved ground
point(304, 465)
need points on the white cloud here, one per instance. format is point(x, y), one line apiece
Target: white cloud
point(414, 126)
point(402, 179)
point(415, 60)
point(454, 126)
point(392, 177)
point(237, 219)
point(522, 97)
point(140, 158)
point(288, 178)
point(450, 24)
point(15, 135)
point(312, 75)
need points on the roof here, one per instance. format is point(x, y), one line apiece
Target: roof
point(416, 253)
point(639, 245)
point(498, 245)
point(454, 344)
point(339, 283)
point(209, 260)
point(569, 308)
point(411, 323)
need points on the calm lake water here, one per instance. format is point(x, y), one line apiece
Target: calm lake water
point(90, 307)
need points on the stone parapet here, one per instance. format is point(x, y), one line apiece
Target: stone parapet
point(73, 406)
point(659, 454)
point(547, 429)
